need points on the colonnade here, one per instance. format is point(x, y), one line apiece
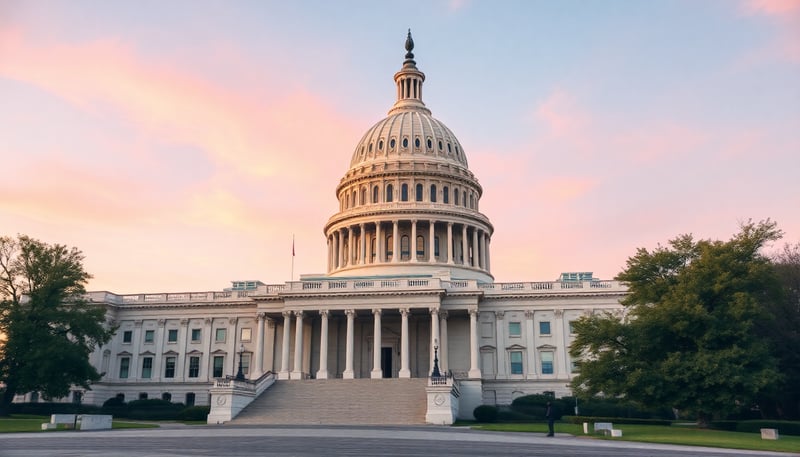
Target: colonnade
point(438, 338)
point(354, 246)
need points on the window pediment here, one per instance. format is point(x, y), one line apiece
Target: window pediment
point(515, 347)
point(487, 348)
point(546, 347)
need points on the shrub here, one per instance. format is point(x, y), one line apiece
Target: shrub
point(194, 413)
point(615, 420)
point(729, 426)
point(153, 409)
point(535, 406)
point(485, 413)
point(47, 408)
point(509, 415)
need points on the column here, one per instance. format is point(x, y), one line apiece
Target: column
point(377, 373)
point(258, 363)
point(363, 245)
point(464, 246)
point(475, 254)
point(133, 368)
point(348, 364)
point(434, 333)
point(379, 243)
point(330, 257)
point(395, 242)
point(351, 248)
point(404, 371)
point(450, 243)
point(158, 369)
point(341, 255)
point(502, 373)
point(412, 248)
point(322, 373)
point(530, 344)
point(432, 242)
point(297, 372)
point(269, 356)
point(561, 349)
point(474, 371)
point(483, 250)
point(232, 333)
point(207, 339)
point(443, 341)
point(488, 261)
point(287, 326)
point(183, 358)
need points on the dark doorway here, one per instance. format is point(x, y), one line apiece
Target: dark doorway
point(386, 362)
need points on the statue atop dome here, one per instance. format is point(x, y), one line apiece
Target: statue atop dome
point(409, 46)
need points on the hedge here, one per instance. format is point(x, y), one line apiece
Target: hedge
point(615, 420)
point(485, 413)
point(755, 426)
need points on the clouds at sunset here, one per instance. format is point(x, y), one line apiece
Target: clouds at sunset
point(179, 156)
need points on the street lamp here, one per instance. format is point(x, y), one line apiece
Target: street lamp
point(436, 373)
point(240, 373)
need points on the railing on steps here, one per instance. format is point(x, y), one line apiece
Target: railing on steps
point(229, 396)
point(443, 392)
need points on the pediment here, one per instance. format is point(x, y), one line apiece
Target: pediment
point(546, 347)
point(515, 347)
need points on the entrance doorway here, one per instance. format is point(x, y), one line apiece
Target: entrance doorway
point(386, 361)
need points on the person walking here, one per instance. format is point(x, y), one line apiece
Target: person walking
point(550, 419)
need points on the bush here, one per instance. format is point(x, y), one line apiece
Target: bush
point(485, 413)
point(535, 406)
point(154, 409)
point(509, 415)
point(755, 426)
point(46, 409)
point(615, 420)
point(194, 413)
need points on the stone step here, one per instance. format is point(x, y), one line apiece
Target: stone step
point(339, 401)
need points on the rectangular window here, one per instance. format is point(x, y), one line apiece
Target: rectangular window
point(196, 335)
point(571, 327)
point(149, 336)
point(169, 367)
point(245, 335)
point(544, 328)
point(246, 364)
point(221, 334)
point(514, 329)
point(172, 335)
point(147, 367)
point(124, 367)
point(127, 336)
point(219, 362)
point(194, 367)
point(547, 362)
point(516, 362)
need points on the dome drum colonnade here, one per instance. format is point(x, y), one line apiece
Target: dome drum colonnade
point(408, 203)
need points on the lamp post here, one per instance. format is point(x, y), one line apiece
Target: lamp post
point(240, 374)
point(436, 373)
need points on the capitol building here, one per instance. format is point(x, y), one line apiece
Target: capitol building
point(408, 291)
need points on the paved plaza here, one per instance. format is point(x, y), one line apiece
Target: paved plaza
point(180, 441)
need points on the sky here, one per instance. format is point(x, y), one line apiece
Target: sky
point(182, 145)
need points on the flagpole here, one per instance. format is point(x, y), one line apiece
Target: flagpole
point(292, 278)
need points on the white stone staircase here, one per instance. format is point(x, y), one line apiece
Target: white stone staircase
point(339, 402)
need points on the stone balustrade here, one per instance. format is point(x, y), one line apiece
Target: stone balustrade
point(360, 285)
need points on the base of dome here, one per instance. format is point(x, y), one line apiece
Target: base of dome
point(437, 270)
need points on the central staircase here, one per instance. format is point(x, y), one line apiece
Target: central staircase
point(339, 402)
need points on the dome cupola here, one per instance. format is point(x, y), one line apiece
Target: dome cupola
point(408, 204)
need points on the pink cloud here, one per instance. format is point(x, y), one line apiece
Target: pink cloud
point(785, 15)
point(772, 7)
point(561, 114)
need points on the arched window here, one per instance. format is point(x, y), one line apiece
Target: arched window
point(420, 247)
point(446, 195)
point(353, 199)
point(464, 196)
point(433, 193)
point(363, 195)
point(418, 193)
point(375, 194)
point(389, 247)
point(472, 201)
point(436, 246)
point(345, 202)
point(166, 396)
point(404, 192)
point(389, 193)
point(455, 196)
point(405, 253)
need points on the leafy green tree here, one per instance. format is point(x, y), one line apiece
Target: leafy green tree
point(687, 336)
point(48, 328)
point(783, 332)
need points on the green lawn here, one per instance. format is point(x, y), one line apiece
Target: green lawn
point(690, 436)
point(29, 423)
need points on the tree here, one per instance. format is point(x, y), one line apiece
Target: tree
point(49, 328)
point(687, 337)
point(783, 332)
